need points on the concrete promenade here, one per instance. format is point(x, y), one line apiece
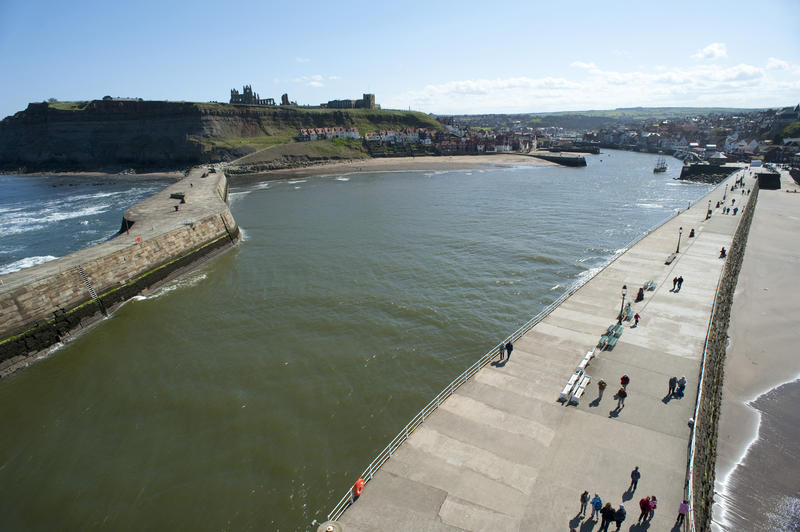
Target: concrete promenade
point(503, 454)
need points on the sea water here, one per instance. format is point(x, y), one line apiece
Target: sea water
point(252, 392)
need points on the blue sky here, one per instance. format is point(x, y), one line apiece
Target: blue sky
point(434, 56)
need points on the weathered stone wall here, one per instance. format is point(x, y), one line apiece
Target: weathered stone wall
point(38, 314)
point(707, 422)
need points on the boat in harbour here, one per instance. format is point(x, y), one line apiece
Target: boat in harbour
point(661, 165)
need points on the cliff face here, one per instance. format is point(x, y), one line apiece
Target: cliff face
point(105, 134)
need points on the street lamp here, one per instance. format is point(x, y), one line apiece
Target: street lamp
point(680, 232)
point(708, 212)
point(622, 305)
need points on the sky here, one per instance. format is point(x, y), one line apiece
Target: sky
point(440, 57)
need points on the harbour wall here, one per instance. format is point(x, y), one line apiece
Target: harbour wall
point(163, 235)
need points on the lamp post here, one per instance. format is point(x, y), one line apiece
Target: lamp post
point(680, 232)
point(708, 212)
point(622, 305)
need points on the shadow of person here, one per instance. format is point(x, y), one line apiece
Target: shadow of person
point(676, 527)
point(640, 527)
point(628, 495)
point(575, 522)
point(614, 413)
point(588, 525)
point(594, 403)
point(667, 398)
point(499, 363)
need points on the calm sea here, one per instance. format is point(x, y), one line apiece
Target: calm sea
point(249, 394)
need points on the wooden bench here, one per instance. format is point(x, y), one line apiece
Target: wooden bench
point(576, 396)
point(670, 258)
point(649, 286)
point(601, 345)
point(612, 342)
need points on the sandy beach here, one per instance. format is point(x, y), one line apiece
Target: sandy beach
point(394, 164)
point(762, 333)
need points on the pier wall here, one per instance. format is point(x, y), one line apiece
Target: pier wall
point(43, 305)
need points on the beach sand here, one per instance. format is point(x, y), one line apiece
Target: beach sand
point(761, 357)
point(394, 164)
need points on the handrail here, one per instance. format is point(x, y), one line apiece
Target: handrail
point(448, 390)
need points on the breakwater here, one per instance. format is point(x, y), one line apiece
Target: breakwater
point(706, 173)
point(161, 236)
point(710, 394)
point(563, 160)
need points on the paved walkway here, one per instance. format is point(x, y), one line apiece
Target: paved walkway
point(503, 454)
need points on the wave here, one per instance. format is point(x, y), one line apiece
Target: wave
point(341, 178)
point(296, 181)
point(186, 281)
point(33, 220)
point(650, 205)
point(27, 262)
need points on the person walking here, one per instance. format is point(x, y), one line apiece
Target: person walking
point(673, 382)
point(636, 320)
point(635, 476)
point(644, 506)
point(584, 502)
point(624, 380)
point(680, 283)
point(607, 514)
point(619, 516)
point(621, 395)
point(653, 504)
point(675, 280)
point(601, 387)
point(509, 348)
point(597, 504)
point(683, 511)
point(681, 386)
point(502, 351)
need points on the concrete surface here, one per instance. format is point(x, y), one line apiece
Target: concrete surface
point(503, 454)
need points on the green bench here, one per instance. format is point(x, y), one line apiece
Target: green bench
point(649, 286)
point(627, 312)
point(609, 339)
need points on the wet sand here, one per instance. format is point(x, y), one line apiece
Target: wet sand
point(761, 357)
point(394, 164)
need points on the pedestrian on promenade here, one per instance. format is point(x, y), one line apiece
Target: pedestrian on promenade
point(636, 320)
point(681, 386)
point(673, 382)
point(607, 514)
point(620, 515)
point(644, 506)
point(584, 502)
point(502, 351)
point(653, 504)
point(735, 210)
point(621, 395)
point(683, 511)
point(675, 280)
point(601, 387)
point(691, 233)
point(597, 504)
point(635, 476)
point(680, 283)
point(509, 348)
point(624, 380)
point(723, 253)
point(640, 295)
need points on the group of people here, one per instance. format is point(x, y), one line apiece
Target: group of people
point(505, 350)
point(676, 386)
point(606, 512)
point(622, 393)
point(677, 282)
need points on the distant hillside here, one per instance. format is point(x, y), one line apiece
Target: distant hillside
point(593, 119)
point(115, 134)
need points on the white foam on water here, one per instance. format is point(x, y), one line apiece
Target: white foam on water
point(723, 499)
point(342, 178)
point(295, 181)
point(32, 220)
point(650, 205)
point(242, 235)
point(27, 262)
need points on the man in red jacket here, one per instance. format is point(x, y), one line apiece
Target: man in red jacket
point(644, 506)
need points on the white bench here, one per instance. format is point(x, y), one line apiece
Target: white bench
point(571, 383)
point(585, 362)
point(576, 396)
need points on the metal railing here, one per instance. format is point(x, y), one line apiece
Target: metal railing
point(448, 390)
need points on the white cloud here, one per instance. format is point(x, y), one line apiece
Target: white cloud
point(581, 64)
point(315, 84)
point(333, 78)
point(741, 85)
point(302, 59)
point(714, 50)
point(777, 64)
